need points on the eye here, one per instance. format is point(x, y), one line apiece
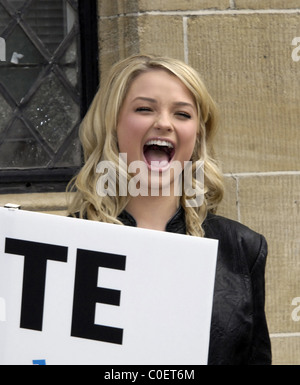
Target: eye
point(184, 115)
point(143, 109)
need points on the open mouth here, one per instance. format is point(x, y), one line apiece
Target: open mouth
point(158, 153)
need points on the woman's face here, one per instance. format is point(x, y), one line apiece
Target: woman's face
point(158, 121)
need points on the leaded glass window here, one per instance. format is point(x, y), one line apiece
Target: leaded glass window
point(40, 87)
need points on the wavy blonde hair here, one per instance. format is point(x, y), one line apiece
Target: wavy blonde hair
point(98, 135)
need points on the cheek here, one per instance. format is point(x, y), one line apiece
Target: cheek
point(130, 134)
point(188, 139)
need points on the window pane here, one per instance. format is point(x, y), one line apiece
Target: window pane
point(52, 112)
point(51, 20)
point(69, 64)
point(5, 115)
point(4, 19)
point(21, 148)
point(18, 4)
point(18, 80)
point(19, 43)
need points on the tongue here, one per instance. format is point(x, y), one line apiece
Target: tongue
point(160, 157)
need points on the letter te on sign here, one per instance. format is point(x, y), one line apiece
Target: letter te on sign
point(87, 294)
point(36, 256)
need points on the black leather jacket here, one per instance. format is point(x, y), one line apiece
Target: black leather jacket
point(239, 332)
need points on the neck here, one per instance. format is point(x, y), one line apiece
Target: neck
point(153, 212)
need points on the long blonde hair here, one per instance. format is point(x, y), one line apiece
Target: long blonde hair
point(98, 135)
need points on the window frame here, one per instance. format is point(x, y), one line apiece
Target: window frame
point(56, 180)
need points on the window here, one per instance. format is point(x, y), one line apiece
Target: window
point(45, 89)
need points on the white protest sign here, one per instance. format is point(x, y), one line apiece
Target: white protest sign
point(81, 292)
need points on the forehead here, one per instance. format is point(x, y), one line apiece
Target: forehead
point(158, 82)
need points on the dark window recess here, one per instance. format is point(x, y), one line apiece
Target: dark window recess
point(46, 85)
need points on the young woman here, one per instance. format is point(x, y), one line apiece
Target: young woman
point(157, 113)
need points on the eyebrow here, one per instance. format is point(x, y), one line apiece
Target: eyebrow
point(154, 101)
point(145, 99)
point(184, 104)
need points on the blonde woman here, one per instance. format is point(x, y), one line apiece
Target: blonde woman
point(152, 114)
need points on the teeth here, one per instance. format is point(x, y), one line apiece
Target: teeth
point(161, 143)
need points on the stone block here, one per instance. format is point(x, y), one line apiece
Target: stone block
point(228, 207)
point(116, 7)
point(271, 206)
point(161, 35)
point(286, 350)
point(267, 4)
point(118, 39)
point(246, 62)
point(182, 5)
point(48, 202)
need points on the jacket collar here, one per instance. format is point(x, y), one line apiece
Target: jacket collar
point(175, 225)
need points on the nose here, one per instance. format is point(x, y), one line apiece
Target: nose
point(164, 123)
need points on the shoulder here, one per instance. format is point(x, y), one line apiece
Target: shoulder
point(236, 238)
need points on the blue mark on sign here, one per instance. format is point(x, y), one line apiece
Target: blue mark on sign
point(39, 362)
